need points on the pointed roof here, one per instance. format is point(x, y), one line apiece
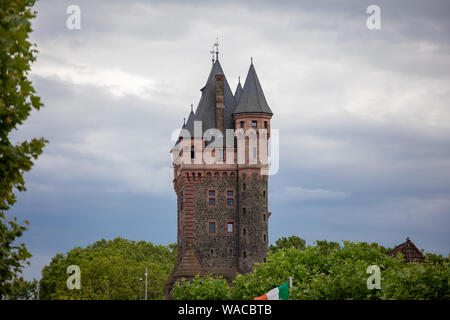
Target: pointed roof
point(189, 126)
point(189, 266)
point(238, 92)
point(252, 99)
point(206, 110)
point(409, 251)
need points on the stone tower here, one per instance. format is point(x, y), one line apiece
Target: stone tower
point(221, 181)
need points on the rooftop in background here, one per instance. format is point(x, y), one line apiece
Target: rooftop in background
point(409, 252)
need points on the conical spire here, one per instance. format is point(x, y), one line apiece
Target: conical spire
point(187, 125)
point(206, 110)
point(238, 92)
point(252, 98)
point(190, 123)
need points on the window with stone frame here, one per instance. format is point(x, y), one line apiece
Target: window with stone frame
point(230, 227)
point(230, 197)
point(211, 227)
point(211, 197)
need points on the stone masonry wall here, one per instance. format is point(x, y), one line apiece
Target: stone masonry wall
point(253, 220)
point(217, 252)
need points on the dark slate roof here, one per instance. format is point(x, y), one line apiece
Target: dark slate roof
point(206, 110)
point(409, 251)
point(238, 92)
point(189, 126)
point(252, 98)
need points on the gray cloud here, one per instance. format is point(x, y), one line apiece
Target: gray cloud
point(363, 116)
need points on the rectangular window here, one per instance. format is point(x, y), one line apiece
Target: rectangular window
point(230, 193)
point(265, 124)
point(212, 227)
point(212, 201)
point(230, 227)
point(212, 192)
point(254, 123)
point(230, 201)
point(242, 124)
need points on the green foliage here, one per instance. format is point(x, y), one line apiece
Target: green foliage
point(11, 256)
point(328, 270)
point(110, 270)
point(17, 99)
point(22, 289)
point(207, 287)
point(291, 242)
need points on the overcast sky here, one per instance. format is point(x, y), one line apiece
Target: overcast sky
point(364, 117)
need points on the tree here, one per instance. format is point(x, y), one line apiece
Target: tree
point(23, 290)
point(110, 270)
point(207, 287)
point(17, 99)
point(291, 242)
point(331, 271)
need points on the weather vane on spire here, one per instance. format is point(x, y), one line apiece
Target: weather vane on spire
point(215, 50)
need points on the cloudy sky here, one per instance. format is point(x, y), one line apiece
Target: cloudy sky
point(364, 117)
